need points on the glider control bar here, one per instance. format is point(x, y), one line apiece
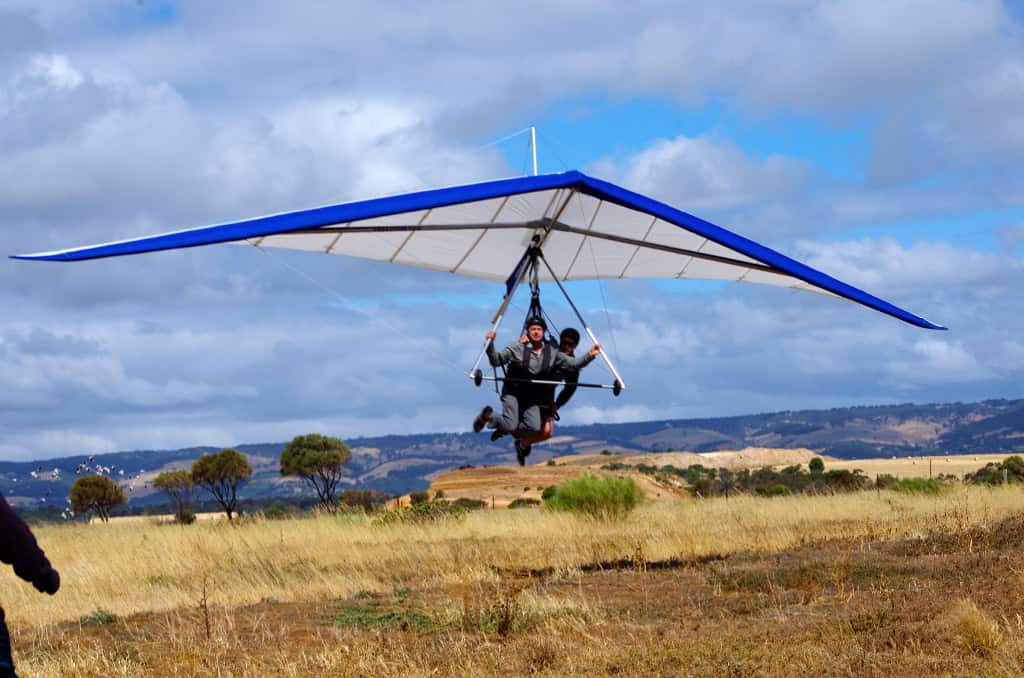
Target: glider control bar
point(615, 388)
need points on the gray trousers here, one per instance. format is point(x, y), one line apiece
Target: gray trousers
point(512, 420)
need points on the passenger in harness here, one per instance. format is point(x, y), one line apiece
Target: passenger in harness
point(568, 340)
point(521, 399)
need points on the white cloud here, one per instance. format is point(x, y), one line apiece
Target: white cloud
point(705, 173)
point(227, 112)
point(939, 361)
point(886, 266)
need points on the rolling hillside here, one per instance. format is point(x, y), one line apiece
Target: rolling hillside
point(398, 464)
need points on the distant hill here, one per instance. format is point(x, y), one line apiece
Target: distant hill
point(399, 464)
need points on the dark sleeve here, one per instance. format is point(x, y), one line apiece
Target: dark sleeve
point(572, 377)
point(18, 547)
point(497, 358)
point(573, 362)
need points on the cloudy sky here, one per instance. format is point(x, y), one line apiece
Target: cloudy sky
point(878, 141)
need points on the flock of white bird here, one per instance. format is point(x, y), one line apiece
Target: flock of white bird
point(86, 467)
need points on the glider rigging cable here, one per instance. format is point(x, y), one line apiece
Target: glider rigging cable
point(528, 269)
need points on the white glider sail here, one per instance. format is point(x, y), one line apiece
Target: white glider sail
point(587, 229)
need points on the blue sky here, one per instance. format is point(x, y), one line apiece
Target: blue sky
point(879, 142)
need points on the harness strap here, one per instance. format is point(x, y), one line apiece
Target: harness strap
point(546, 358)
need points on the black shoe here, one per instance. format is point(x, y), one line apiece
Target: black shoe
point(522, 451)
point(497, 434)
point(481, 419)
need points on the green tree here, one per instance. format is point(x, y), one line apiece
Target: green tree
point(816, 465)
point(96, 493)
point(221, 474)
point(319, 460)
point(178, 486)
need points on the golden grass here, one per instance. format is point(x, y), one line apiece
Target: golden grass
point(132, 568)
point(865, 584)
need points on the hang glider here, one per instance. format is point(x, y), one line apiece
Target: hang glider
point(586, 227)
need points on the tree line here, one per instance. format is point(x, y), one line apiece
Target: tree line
point(316, 459)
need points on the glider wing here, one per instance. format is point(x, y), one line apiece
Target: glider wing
point(588, 229)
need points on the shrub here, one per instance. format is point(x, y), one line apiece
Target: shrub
point(367, 501)
point(419, 497)
point(816, 465)
point(915, 486)
point(98, 618)
point(422, 513)
point(604, 498)
point(992, 474)
point(524, 502)
point(469, 504)
point(910, 485)
point(185, 517)
point(841, 479)
point(279, 511)
point(552, 462)
point(777, 490)
point(548, 492)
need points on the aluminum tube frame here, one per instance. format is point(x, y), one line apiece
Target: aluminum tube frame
point(498, 316)
point(549, 381)
point(582, 321)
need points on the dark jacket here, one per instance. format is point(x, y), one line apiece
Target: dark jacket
point(525, 364)
point(18, 547)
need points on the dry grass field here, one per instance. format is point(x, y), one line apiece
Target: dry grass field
point(861, 584)
point(918, 467)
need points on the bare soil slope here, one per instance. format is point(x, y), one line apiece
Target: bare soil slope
point(500, 485)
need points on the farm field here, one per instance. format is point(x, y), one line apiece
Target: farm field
point(909, 467)
point(859, 584)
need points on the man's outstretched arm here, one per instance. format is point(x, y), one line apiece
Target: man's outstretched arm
point(18, 547)
point(576, 362)
point(501, 357)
